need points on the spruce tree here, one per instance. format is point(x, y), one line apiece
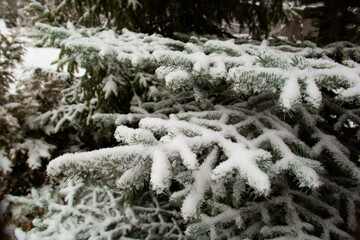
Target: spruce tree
point(232, 141)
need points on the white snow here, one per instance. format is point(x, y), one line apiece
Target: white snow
point(3, 29)
point(130, 176)
point(243, 160)
point(41, 57)
point(178, 79)
point(180, 139)
point(314, 94)
point(202, 176)
point(217, 59)
point(352, 124)
point(290, 93)
point(134, 136)
point(110, 86)
point(5, 163)
point(90, 161)
point(34, 57)
point(36, 149)
point(160, 171)
point(162, 71)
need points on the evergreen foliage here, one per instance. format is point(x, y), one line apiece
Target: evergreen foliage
point(210, 65)
point(336, 20)
point(98, 212)
point(9, 13)
point(24, 145)
point(234, 141)
point(165, 17)
point(11, 52)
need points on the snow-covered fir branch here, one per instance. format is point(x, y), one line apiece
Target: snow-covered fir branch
point(283, 71)
point(235, 141)
point(97, 212)
point(186, 134)
point(205, 151)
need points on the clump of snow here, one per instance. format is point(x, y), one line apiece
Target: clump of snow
point(313, 93)
point(5, 163)
point(36, 149)
point(351, 124)
point(290, 93)
point(178, 79)
point(3, 29)
point(160, 171)
point(134, 136)
point(41, 57)
point(110, 86)
point(242, 159)
point(193, 200)
point(91, 161)
point(202, 62)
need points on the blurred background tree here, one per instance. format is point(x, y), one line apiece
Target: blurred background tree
point(335, 20)
point(332, 20)
point(165, 17)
